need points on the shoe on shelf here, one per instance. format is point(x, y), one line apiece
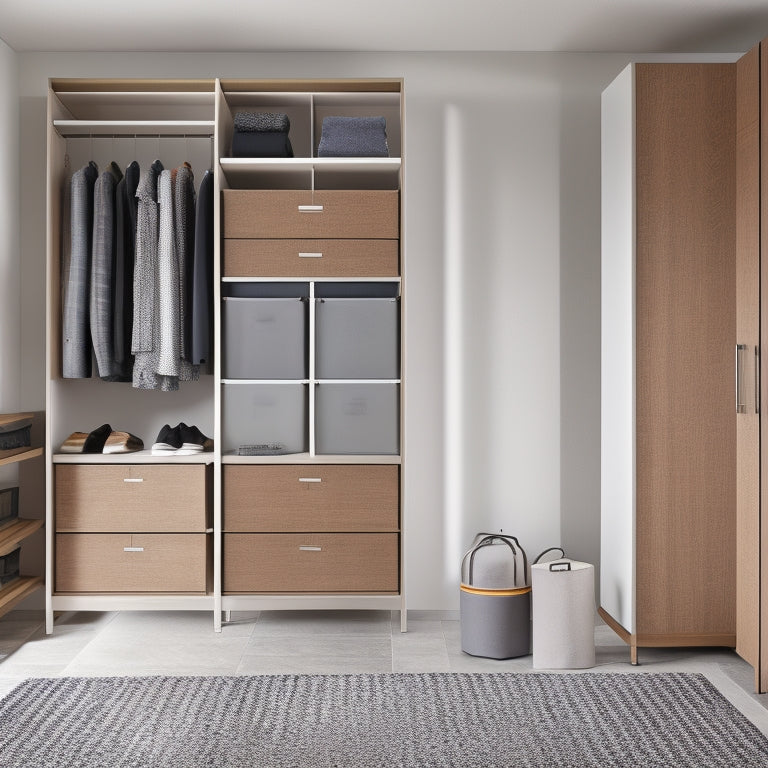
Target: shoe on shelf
point(194, 440)
point(168, 440)
point(96, 440)
point(74, 443)
point(123, 442)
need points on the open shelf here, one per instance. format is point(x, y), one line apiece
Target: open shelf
point(12, 535)
point(72, 128)
point(23, 455)
point(136, 457)
point(15, 591)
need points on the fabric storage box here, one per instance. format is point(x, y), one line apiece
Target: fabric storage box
point(357, 338)
point(264, 419)
point(357, 418)
point(15, 433)
point(495, 598)
point(9, 565)
point(9, 505)
point(265, 338)
point(563, 615)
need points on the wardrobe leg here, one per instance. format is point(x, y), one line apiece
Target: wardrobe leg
point(633, 656)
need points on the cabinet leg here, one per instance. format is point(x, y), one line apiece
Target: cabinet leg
point(227, 616)
point(633, 656)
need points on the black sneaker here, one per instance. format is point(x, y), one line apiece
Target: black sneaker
point(193, 440)
point(168, 440)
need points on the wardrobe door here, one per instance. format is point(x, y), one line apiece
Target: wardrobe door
point(747, 349)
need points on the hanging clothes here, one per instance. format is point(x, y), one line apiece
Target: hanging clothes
point(76, 338)
point(102, 290)
point(202, 289)
point(183, 182)
point(125, 254)
point(145, 289)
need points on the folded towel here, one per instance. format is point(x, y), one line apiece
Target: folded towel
point(261, 144)
point(353, 137)
point(275, 122)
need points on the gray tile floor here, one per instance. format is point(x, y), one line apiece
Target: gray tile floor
point(322, 642)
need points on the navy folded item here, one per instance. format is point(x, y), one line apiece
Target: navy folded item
point(261, 144)
point(353, 137)
point(272, 122)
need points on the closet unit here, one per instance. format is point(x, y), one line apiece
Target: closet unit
point(300, 503)
point(751, 379)
point(310, 364)
point(132, 530)
point(668, 546)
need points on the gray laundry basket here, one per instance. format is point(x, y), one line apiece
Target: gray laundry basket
point(563, 614)
point(495, 598)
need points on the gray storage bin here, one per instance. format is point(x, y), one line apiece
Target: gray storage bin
point(265, 338)
point(357, 418)
point(357, 338)
point(264, 419)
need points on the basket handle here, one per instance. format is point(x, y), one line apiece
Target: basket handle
point(551, 549)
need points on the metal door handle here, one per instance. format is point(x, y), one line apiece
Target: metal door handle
point(311, 549)
point(310, 479)
point(310, 208)
point(133, 549)
point(741, 406)
point(133, 479)
point(308, 255)
point(757, 379)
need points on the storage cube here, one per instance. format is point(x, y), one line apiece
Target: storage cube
point(357, 338)
point(357, 418)
point(264, 338)
point(9, 505)
point(264, 419)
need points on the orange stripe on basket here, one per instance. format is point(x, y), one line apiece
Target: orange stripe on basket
point(496, 592)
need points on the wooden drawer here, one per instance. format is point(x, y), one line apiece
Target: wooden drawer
point(333, 213)
point(310, 258)
point(321, 498)
point(160, 562)
point(292, 562)
point(133, 497)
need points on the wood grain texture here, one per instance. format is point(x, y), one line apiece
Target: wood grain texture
point(686, 327)
point(98, 562)
point(361, 213)
point(341, 562)
point(280, 258)
point(154, 498)
point(748, 333)
point(282, 499)
point(762, 676)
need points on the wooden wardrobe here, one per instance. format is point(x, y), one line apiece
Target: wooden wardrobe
point(668, 547)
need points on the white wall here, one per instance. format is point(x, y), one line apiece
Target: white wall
point(502, 235)
point(10, 351)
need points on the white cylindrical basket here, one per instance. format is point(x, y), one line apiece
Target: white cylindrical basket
point(563, 598)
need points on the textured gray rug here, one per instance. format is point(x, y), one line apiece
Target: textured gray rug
point(462, 720)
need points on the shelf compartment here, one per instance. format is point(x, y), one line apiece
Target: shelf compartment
point(15, 591)
point(75, 128)
point(357, 338)
point(357, 418)
point(264, 338)
point(12, 535)
point(20, 454)
point(265, 417)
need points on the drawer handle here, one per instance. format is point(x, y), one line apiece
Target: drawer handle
point(310, 479)
point(133, 549)
point(133, 479)
point(310, 208)
point(310, 255)
point(311, 549)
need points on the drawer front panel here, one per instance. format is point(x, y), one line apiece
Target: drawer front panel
point(304, 214)
point(132, 497)
point(310, 258)
point(319, 498)
point(99, 562)
point(343, 562)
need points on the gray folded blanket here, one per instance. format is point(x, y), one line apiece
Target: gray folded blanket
point(268, 122)
point(353, 137)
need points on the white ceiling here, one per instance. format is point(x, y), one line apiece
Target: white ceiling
point(384, 25)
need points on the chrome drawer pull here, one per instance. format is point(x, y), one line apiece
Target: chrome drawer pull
point(133, 479)
point(311, 549)
point(310, 479)
point(133, 549)
point(311, 208)
point(310, 255)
